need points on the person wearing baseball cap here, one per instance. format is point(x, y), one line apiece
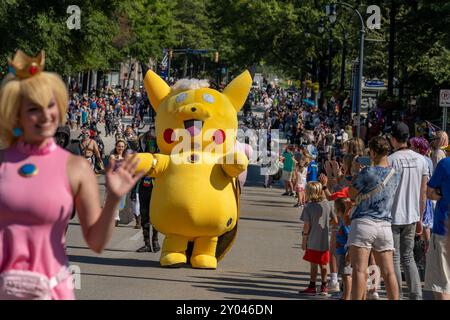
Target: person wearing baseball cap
point(408, 207)
point(399, 131)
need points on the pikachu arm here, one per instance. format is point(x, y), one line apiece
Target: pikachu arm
point(235, 164)
point(146, 162)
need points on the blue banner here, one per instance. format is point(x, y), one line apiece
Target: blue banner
point(164, 66)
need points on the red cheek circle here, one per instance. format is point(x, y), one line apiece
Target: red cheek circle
point(168, 135)
point(219, 136)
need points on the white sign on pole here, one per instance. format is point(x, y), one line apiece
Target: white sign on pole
point(444, 98)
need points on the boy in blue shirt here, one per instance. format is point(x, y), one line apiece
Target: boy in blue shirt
point(313, 170)
point(342, 259)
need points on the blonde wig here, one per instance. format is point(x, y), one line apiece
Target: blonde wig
point(314, 191)
point(440, 140)
point(189, 84)
point(39, 89)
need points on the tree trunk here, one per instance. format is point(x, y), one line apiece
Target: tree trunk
point(100, 77)
point(391, 49)
point(85, 82)
point(89, 83)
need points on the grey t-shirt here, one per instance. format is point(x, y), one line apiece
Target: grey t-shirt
point(318, 215)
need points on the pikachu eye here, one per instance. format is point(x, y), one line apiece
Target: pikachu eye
point(208, 98)
point(181, 97)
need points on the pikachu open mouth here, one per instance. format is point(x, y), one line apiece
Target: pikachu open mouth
point(193, 126)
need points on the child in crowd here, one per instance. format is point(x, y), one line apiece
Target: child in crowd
point(342, 255)
point(288, 170)
point(313, 170)
point(315, 239)
point(300, 182)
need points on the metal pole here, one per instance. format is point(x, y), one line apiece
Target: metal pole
point(444, 119)
point(360, 70)
point(360, 75)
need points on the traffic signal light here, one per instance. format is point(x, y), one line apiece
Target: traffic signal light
point(216, 56)
point(170, 54)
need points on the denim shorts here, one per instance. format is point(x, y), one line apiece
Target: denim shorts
point(371, 234)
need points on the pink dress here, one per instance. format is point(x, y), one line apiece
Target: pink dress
point(34, 213)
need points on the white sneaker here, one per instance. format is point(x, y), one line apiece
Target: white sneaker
point(333, 287)
point(373, 296)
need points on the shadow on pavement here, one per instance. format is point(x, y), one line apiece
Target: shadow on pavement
point(288, 272)
point(257, 288)
point(257, 204)
point(267, 220)
point(114, 261)
point(133, 277)
point(112, 250)
point(291, 294)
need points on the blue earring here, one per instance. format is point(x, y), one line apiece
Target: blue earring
point(17, 132)
point(11, 70)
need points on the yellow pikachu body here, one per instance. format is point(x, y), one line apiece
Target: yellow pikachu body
point(196, 193)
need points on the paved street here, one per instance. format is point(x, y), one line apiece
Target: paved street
point(337, 92)
point(264, 263)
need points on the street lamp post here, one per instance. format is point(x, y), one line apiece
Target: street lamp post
point(344, 56)
point(332, 15)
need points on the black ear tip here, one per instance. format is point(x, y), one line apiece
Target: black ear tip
point(144, 69)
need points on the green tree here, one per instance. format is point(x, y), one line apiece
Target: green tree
point(146, 26)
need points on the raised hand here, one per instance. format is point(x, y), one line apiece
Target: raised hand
point(120, 181)
point(335, 168)
point(328, 169)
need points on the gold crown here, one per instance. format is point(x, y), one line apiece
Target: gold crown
point(25, 66)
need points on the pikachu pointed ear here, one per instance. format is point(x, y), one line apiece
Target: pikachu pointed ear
point(157, 89)
point(238, 89)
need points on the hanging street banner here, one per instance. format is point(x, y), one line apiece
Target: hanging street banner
point(164, 65)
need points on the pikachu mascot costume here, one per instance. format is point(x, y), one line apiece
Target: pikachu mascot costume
point(195, 198)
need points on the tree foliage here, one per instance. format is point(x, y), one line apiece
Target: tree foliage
point(247, 33)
